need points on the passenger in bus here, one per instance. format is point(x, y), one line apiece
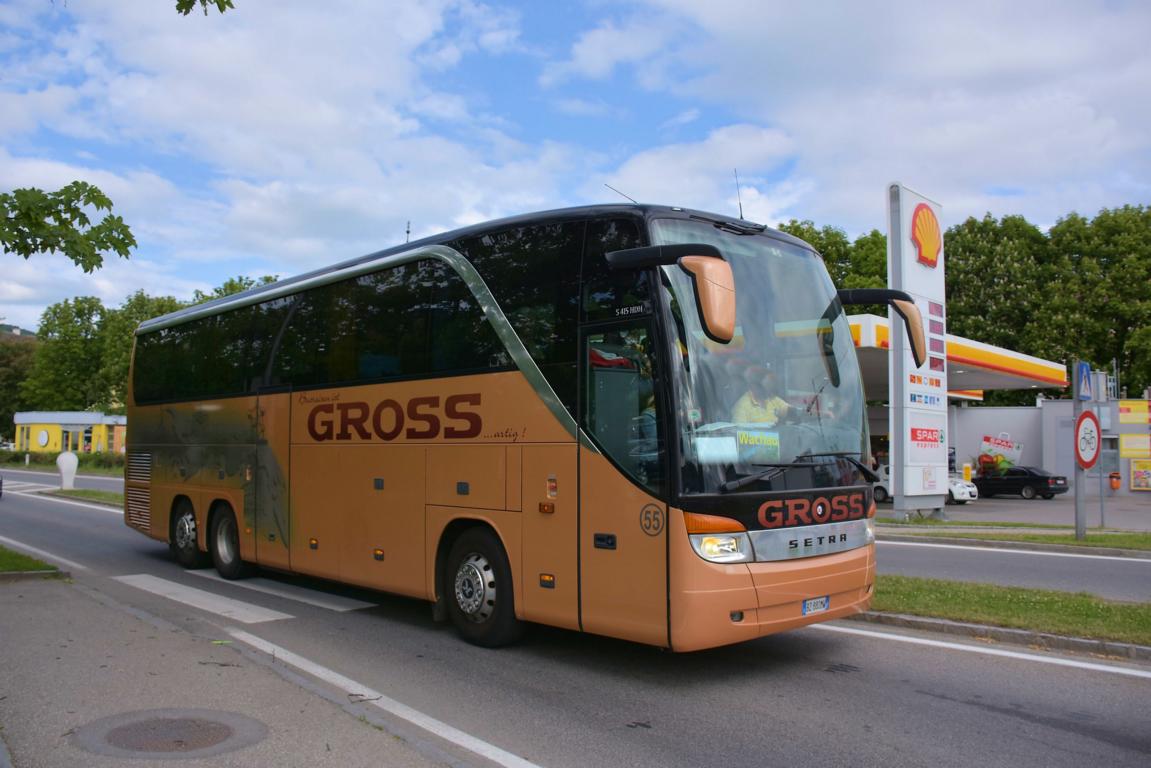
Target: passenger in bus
point(759, 404)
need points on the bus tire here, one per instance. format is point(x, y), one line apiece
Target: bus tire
point(478, 584)
point(182, 536)
point(225, 546)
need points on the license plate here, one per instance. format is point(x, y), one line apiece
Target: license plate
point(816, 604)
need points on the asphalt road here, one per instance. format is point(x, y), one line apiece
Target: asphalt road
point(819, 696)
point(17, 478)
point(1113, 578)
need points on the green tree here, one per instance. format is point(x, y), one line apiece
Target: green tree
point(1112, 256)
point(35, 221)
point(831, 242)
point(119, 333)
point(16, 355)
point(65, 373)
point(232, 286)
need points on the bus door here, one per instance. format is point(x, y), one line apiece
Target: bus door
point(273, 522)
point(623, 531)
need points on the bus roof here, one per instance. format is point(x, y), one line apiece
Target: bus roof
point(282, 287)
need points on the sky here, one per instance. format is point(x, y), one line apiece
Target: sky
point(285, 135)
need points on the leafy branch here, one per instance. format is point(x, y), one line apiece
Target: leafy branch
point(35, 221)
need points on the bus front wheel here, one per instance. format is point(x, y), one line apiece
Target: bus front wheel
point(479, 590)
point(226, 546)
point(182, 536)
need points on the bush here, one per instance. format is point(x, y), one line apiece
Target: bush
point(13, 459)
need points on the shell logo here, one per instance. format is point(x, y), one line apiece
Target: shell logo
point(925, 234)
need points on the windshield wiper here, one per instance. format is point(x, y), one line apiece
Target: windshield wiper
point(773, 470)
point(868, 473)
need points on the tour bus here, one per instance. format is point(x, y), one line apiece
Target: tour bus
point(528, 420)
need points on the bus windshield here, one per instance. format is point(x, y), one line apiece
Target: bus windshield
point(780, 407)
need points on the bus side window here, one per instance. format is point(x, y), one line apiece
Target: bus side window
point(620, 409)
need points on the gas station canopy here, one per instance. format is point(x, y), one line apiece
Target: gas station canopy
point(972, 366)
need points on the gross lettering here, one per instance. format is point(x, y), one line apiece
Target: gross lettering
point(784, 513)
point(420, 418)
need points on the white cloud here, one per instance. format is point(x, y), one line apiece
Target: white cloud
point(1042, 98)
point(700, 174)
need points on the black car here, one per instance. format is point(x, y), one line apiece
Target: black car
point(1028, 482)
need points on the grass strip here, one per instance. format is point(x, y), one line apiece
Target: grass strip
point(930, 521)
point(111, 498)
point(1075, 614)
point(13, 562)
point(1126, 540)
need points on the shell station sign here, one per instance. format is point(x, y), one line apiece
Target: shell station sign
point(915, 264)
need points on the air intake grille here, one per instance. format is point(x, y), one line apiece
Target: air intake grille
point(140, 467)
point(137, 507)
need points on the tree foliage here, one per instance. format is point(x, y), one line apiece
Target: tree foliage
point(34, 221)
point(232, 285)
point(65, 371)
point(185, 7)
point(16, 355)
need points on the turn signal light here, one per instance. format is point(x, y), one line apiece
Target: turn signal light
point(712, 524)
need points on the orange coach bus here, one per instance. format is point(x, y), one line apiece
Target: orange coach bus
point(637, 421)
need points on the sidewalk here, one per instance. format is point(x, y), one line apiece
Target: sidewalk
point(85, 682)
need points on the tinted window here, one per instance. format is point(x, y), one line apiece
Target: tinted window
point(533, 272)
point(609, 295)
point(409, 320)
point(218, 356)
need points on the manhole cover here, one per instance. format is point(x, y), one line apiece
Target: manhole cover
point(169, 733)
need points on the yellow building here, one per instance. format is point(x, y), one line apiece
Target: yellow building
point(78, 431)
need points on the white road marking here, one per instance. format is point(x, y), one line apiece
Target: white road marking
point(291, 592)
point(237, 610)
point(19, 487)
point(1014, 551)
point(1059, 662)
point(386, 703)
point(69, 502)
point(42, 554)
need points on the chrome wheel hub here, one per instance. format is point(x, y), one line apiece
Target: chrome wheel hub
point(186, 531)
point(476, 588)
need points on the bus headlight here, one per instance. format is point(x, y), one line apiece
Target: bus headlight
point(871, 531)
point(722, 547)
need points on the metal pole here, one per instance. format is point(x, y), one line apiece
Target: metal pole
point(1080, 514)
point(1099, 466)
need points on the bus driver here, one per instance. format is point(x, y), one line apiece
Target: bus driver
point(760, 404)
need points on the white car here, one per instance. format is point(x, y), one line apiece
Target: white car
point(959, 491)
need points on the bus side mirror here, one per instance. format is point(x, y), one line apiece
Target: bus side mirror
point(714, 294)
point(904, 305)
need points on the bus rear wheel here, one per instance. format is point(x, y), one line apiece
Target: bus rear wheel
point(182, 537)
point(226, 546)
point(479, 590)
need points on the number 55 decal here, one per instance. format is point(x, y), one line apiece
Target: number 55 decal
point(651, 519)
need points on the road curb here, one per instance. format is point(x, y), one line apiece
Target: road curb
point(1005, 635)
point(9, 576)
point(1134, 554)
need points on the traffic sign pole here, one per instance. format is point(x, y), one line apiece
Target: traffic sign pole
point(1080, 513)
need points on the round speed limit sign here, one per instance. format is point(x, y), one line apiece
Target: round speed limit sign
point(1088, 440)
